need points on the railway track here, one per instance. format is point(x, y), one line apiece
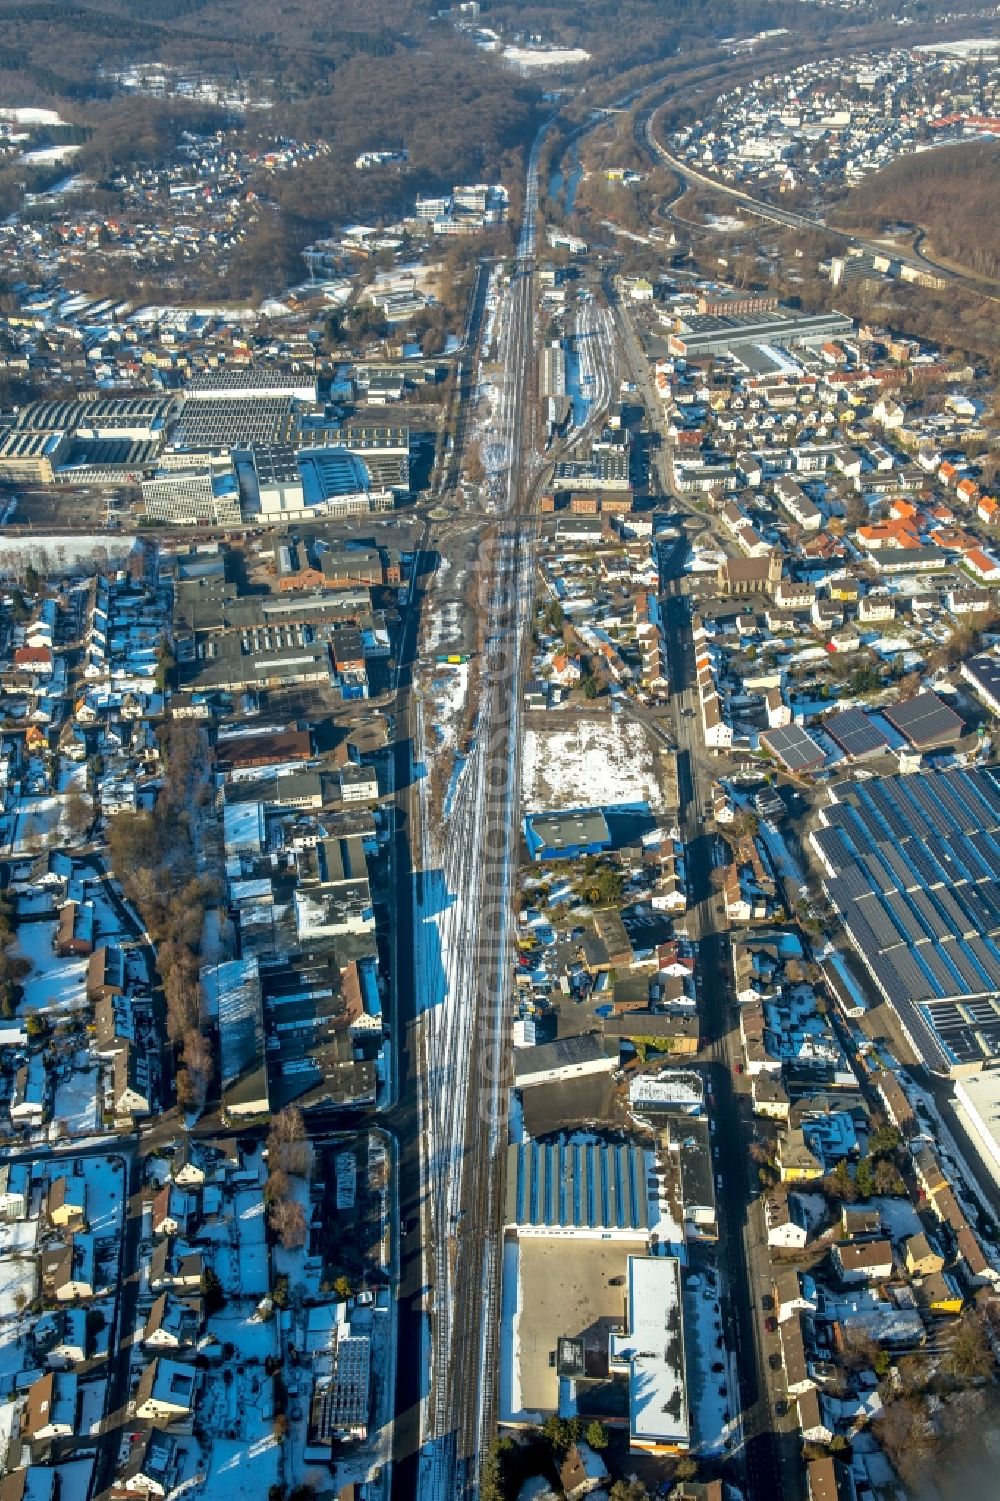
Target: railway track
point(470, 1035)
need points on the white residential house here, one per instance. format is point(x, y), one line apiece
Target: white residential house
point(888, 413)
point(863, 1261)
point(49, 1410)
point(812, 1420)
point(778, 713)
point(130, 1089)
point(166, 1391)
point(70, 1347)
point(786, 1225)
point(876, 607)
point(794, 1293)
point(28, 1101)
point(718, 733)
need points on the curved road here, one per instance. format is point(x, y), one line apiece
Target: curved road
point(789, 219)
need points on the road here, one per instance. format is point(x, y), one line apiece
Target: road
point(769, 1466)
point(789, 219)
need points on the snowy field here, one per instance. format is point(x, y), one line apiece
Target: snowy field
point(17, 1289)
point(545, 57)
point(444, 703)
point(38, 821)
point(44, 154)
point(595, 762)
point(68, 553)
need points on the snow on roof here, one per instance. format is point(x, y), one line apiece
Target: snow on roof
point(653, 1349)
point(232, 990)
point(671, 1089)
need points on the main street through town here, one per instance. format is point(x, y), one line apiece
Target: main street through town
point(765, 1458)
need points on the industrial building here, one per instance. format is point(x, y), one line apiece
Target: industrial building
point(577, 1188)
point(240, 382)
point(218, 427)
point(703, 334)
point(193, 498)
point(278, 482)
point(911, 863)
point(567, 836)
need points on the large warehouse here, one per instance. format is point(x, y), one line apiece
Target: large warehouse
point(912, 865)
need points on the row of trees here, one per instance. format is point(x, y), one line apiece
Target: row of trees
point(152, 856)
point(289, 1156)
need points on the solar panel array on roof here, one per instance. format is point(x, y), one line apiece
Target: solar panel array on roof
point(832, 846)
point(794, 748)
point(915, 864)
point(254, 422)
point(925, 720)
point(591, 1187)
point(854, 733)
point(905, 919)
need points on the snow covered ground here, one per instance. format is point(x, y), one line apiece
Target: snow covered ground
point(45, 154)
point(76, 1102)
point(17, 1289)
point(595, 762)
point(242, 1268)
point(545, 57)
point(53, 984)
point(37, 822)
point(444, 703)
point(704, 1348)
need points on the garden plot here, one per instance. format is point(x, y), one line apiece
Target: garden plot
point(237, 1409)
point(241, 1265)
point(252, 1339)
point(596, 762)
point(37, 823)
point(53, 984)
point(17, 1289)
point(241, 1468)
point(76, 1102)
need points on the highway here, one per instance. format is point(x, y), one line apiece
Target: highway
point(464, 943)
point(645, 131)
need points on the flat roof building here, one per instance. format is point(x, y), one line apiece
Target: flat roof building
point(912, 864)
point(652, 1348)
point(703, 334)
point(568, 835)
point(193, 498)
point(978, 1096)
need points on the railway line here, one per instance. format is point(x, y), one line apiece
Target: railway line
point(468, 1026)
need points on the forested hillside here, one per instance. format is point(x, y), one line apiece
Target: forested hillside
point(953, 193)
